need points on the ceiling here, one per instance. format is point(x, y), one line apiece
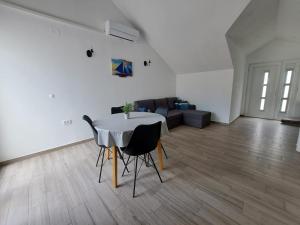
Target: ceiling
point(256, 26)
point(263, 21)
point(92, 13)
point(189, 36)
point(289, 20)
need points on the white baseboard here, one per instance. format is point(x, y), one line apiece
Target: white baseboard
point(2, 163)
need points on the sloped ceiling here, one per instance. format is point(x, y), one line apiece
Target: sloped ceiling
point(92, 13)
point(289, 20)
point(264, 21)
point(256, 26)
point(188, 35)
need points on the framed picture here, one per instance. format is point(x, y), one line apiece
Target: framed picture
point(121, 68)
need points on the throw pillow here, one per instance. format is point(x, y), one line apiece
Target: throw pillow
point(142, 109)
point(184, 106)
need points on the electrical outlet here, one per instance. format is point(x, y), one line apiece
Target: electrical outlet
point(51, 96)
point(67, 122)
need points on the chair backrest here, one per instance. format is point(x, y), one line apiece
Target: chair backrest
point(144, 139)
point(115, 110)
point(90, 122)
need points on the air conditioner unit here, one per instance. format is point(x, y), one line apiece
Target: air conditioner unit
point(121, 31)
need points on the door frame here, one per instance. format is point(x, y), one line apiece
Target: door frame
point(284, 64)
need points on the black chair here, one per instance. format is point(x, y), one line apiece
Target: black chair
point(164, 112)
point(115, 110)
point(144, 140)
point(102, 147)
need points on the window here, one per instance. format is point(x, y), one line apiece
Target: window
point(286, 90)
point(264, 91)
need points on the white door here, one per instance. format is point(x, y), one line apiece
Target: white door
point(261, 95)
point(287, 91)
point(271, 90)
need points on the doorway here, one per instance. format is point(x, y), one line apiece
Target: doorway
point(271, 90)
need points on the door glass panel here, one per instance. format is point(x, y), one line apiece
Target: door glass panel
point(283, 105)
point(264, 92)
point(262, 104)
point(266, 78)
point(289, 76)
point(286, 91)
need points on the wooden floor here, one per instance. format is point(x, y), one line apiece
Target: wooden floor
point(246, 173)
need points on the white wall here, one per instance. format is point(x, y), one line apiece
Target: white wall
point(239, 65)
point(39, 57)
point(210, 91)
point(278, 51)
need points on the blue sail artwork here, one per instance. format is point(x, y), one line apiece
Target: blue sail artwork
point(121, 67)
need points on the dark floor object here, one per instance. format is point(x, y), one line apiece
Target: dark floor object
point(292, 121)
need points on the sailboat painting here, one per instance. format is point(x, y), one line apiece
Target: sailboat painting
point(121, 67)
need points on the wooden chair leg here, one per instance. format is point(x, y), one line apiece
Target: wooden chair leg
point(164, 151)
point(107, 153)
point(114, 167)
point(160, 156)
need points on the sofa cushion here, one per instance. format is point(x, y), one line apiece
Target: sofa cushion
point(142, 109)
point(192, 107)
point(148, 104)
point(174, 114)
point(162, 111)
point(171, 102)
point(174, 118)
point(182, 106)
point(161, 102)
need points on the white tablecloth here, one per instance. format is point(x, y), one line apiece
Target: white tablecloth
point(115, 130)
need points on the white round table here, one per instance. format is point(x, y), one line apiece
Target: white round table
point(116, 131)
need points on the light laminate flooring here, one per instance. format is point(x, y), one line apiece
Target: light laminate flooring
point(245, 173)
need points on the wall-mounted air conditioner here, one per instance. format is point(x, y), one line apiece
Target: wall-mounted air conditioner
point(121, 31)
